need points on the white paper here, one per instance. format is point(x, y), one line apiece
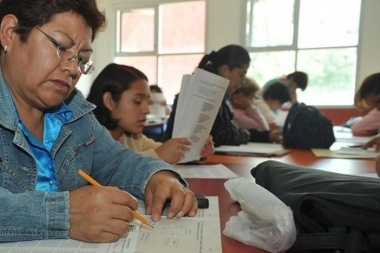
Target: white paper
point(199, 100)
point(205, 171)
point(199, 234)
point(346, 152)
point(253, 149)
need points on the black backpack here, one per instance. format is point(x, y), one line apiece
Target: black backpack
point(333, 212)
point(306, 127)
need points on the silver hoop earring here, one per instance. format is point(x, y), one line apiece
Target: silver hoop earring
point(5, 48)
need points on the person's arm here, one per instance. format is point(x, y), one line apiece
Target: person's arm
point(268, 114)
point(144, 177)
point(141, 144)
point(368, 125)
point(33, 215)
point(251, 118)
point(224, 132)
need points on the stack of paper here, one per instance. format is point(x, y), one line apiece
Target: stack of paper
point(253, 149)
point(199, 101)
point(346, 152)
point(197, 234)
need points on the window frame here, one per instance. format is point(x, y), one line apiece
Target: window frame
point(294, 46)
point(155, 53)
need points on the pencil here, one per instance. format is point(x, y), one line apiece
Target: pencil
point(95, 183)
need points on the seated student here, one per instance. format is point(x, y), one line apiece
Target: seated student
point(369, 91)
point(369, 122)
point(276, 95)
point(48, 132)
point(155, 89)
point(121, 94)
point(271, 101)
point(230, 62)
point(246, 114)
point(295, 80)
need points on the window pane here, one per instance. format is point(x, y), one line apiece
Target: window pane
point(172, 70)
point(146, 64)
point(268, 65)
point(334, 23)
point(331, 76)
point(137, 30)
point(183, 27)
point(271, 23)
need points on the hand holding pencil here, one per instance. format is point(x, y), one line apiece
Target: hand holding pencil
point(95, 183)
point(99, 214)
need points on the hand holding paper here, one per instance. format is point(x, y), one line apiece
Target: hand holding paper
point(199, 100)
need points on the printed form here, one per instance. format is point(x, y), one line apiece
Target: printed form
point(199, 234)
point(199, 101)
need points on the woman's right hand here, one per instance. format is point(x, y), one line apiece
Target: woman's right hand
point(374, 141)
point(100, 214)
point(173, 150)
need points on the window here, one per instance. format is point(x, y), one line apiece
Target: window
point(165, 41)
point(318, 37)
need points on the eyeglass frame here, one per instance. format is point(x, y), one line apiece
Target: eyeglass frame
point(62, 48)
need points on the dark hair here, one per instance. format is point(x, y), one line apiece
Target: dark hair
point(155, 87)
point(370, 86)
point(234, 56)
point(277, 91)
point(114, 79)
point(32, 13)
point(300, 78)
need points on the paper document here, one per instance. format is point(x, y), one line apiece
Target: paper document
point(344, 134)
point(253, 149)
point(346, 152)
point(199, 234)
point(199, 101)
point(205, 171)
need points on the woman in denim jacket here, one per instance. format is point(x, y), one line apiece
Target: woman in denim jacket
point(48, 132)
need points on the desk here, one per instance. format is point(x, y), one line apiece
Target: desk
point(242, 166)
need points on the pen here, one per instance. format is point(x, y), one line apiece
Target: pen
point(95, 183)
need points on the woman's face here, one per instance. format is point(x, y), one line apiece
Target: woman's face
point(35, 74)
point(236, 77)
point(132, 108)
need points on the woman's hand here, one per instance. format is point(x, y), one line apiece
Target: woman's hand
point(173, 150)
point(374, 141)
point(208, 148)
point(100, 214)
point(165, 185)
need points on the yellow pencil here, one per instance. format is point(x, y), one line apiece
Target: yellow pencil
point(95, 183)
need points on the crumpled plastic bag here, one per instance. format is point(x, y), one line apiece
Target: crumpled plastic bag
point(265, 222)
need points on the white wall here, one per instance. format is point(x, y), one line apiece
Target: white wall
point(225, 26)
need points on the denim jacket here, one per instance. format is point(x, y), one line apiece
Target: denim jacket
point(27, 214)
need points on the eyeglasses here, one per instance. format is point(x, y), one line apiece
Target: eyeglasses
point(66, 55)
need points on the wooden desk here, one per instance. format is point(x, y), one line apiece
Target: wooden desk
point(242, 166)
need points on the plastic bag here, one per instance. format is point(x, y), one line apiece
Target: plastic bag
point(265, 222)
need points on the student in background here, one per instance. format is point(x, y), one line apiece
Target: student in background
point(246, 114)
point(369, 91)
point(230, 62)
point(155, 89)
point(271, 101)
point(276, 95)
point(369, 122)
point(48, 132)
point(295, 80)
point(121, 94)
